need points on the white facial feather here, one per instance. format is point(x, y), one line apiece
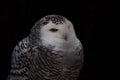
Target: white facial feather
point(63, 39)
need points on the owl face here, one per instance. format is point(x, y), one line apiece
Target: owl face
point(60, 35)
point(54, 30)
point(60, 32)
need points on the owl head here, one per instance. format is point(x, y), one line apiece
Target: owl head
point(53, 30)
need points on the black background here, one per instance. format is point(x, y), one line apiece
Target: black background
point(17, 18)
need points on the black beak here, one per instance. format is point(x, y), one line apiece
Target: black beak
point(65, 37)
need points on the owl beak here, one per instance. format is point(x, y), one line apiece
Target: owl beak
point(65, 37)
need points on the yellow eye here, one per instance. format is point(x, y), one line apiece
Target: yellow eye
point(53, 30)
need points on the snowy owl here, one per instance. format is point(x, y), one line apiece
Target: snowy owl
point(51, 51)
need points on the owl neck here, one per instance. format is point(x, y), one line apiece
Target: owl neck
point(61, 44)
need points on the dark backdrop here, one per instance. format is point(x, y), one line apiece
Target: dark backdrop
point(18, 17)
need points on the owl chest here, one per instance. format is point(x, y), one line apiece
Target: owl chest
point(56, 65)
point(67, 64)
point(67, 59)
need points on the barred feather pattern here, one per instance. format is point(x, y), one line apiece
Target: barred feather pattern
point(20, 61)
point(47, 65)
point(31, 62)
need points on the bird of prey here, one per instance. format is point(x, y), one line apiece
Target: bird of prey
point(51, 51)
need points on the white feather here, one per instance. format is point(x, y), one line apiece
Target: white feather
point(57, 38)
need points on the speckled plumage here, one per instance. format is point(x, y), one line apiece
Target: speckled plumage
point(38, 57)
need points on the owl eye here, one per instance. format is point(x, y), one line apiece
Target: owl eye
point(53, 30)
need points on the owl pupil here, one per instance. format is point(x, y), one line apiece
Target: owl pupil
point(53, 30)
